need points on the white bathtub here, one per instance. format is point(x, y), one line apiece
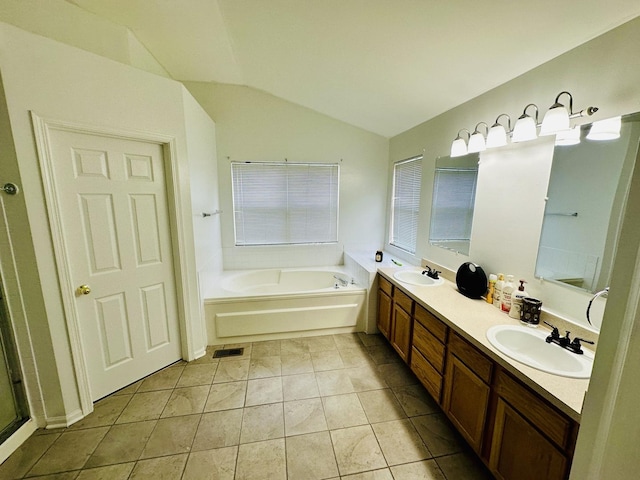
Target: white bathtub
point(247, 306)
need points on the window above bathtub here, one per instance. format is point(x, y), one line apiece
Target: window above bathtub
point(405, 203)
point(285, 203)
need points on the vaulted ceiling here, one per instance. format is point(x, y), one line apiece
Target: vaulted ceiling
point(382, 65)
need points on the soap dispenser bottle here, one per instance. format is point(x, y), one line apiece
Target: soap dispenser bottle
point(507, 291)
point(497, 291)
point(516, 301)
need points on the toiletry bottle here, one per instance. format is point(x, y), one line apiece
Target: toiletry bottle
point(493, 278)
point(516, 301)
point(379, 256)
point(497, 291)
point(507, 291)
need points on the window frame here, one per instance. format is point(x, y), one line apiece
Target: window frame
point(397, 232)
point(291, 223)
point(443, 203)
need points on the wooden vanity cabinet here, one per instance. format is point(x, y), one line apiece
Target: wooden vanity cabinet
point(428, 350)
point(467, 389)
point(517, 432)
point(385, 306)
point(401, 324)
point(394, 317)
point(530, 439)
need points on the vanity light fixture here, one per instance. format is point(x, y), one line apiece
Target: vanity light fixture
point(556, 120)
point(525, 128)
point(608, 129)
point(477, 139)
point(557, 117)
point(568, 137)
point(497, 136)
point(459, 145)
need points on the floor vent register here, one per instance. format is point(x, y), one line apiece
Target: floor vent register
point(228, 352)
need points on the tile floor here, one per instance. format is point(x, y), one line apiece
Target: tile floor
point(329, 407)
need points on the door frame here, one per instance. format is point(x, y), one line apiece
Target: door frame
point(183, 270)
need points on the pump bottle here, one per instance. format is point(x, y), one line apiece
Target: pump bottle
point(507, 291)
point(516, 301)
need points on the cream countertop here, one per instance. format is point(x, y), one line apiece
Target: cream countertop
point(471, 319)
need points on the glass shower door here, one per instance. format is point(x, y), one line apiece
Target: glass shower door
point(13, 412)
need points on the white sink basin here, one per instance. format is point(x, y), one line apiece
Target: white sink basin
point(415, 277)
point(528, 346)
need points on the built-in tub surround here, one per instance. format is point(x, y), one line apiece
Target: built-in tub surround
point(472, 318)
point(254, 305)
point(362, 266)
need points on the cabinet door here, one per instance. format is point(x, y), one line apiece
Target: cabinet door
point(401, 332)
point(384, 314)
point(465, 402)
point(520, 452)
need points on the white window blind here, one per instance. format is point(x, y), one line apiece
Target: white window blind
point(454, 194)
point(285, 203)
point(407, 176)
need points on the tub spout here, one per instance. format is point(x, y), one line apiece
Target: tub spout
point(342, 281)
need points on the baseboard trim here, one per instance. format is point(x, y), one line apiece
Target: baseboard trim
point(21, 435)
point(64, 421)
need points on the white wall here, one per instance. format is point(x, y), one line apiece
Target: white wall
point(70, 24)
point(200, 133)
point(513, 180)
point(254, 126)
point(64, 83)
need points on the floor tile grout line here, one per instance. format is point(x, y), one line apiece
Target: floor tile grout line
point(40, 457)
point(320, 396)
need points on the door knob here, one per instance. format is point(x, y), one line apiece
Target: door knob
point(83, 290)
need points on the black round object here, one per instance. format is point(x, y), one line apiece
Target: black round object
point(471, 280)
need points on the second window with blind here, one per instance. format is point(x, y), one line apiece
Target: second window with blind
point(454, 193)
point(405, 203)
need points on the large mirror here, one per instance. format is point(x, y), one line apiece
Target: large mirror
point(586, 196)
point(454, 194)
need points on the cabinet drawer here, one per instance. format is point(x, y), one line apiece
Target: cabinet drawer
point(545, 417)
point(403, 300)
point(429, 346)
point(471, 356)
point(385, 285)
point(428, 375)
point(431, 323)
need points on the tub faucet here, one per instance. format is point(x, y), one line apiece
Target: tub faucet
point(342, 281)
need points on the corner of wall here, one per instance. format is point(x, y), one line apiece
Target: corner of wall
point(140, 57)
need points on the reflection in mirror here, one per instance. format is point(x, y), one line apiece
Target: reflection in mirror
point(586, 196)
point(454, 194)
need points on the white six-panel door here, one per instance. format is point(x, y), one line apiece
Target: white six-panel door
point(113, 207)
